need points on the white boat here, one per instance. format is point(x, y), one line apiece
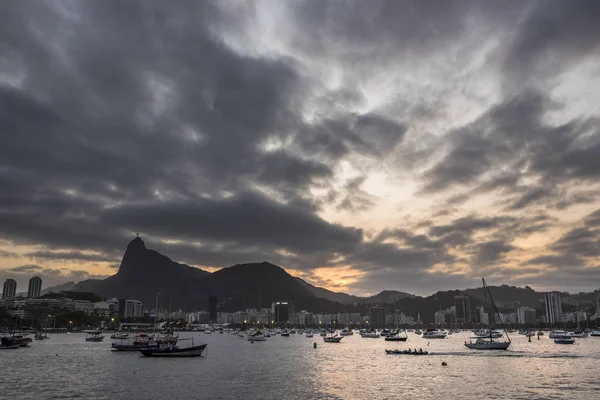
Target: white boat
point(256, 336)
point(119, 336)
point(485, 333)
point(370, 335)
point(434, 334)
point(485, 344)
point(346, 332)
point(564, 340)
point(94, 336)
point(308, 334)
point(557, 334)
point(488, 343)
point(333, 339)
point(578, 334)
point(595, 333)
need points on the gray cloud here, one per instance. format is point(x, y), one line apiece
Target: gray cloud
point(193, 122)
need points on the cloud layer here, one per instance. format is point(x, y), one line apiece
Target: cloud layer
point(414, 145)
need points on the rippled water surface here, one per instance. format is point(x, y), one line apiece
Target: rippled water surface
point(67, 367)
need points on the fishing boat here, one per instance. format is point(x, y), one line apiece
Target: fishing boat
point(141, 341)
point(408, 352)
point(434, 334)
point(488, 343)
point(94, 336)
point(564, 340)
point(172, 350)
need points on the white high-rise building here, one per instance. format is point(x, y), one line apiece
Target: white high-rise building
point(133, 309)
point(553, 308)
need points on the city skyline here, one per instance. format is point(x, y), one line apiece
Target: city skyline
point(414, 146)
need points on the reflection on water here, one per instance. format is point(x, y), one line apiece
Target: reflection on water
point(289, 368)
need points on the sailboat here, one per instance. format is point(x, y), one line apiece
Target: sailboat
point(482, 343)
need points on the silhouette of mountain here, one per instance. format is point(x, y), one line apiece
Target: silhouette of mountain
point(384, 297)
point(329, 295)
point(59, 288)
point(144, 272)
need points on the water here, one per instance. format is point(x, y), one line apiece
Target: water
point(67, 367)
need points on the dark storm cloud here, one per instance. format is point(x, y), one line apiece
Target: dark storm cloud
point(247, 219)
point(50, 276)
point(491, 252)
point(70, 256)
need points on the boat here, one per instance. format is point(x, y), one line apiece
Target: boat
point(40, 336)
point(564, 340)
point(595, 333)
point(346, 332)
point(556, 334)
point(396, 337)
point(172, 350)
point(256, 336)
point(141, 341)
point(8, 343)
point(487, 333)
point(22, 340)
point(333, 339)
point(285, 333)
point(434, 334)
point(385, 333)
point(308, 334)
point(488, 343)
point(119, 336)
point(370, 335)
point(540, 333)
point(418, 332)
point(578, 334)
point(408, 352)
point(94, 336)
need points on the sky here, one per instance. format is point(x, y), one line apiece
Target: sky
point(361, 145)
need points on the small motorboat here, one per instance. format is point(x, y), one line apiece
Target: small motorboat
point(285, 334)
point(257, 336)
point(595, 333)
point(370, 335)
point(22, 340)
point(172, 350)
point(564, 340)
point(408, 352)
point(94, 336)
point(396, 337)
point(308, 334)
point(119, 336)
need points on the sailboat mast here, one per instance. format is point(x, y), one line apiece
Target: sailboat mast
point(495, 308)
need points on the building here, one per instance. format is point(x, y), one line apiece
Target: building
point(526, 315)
point(553, 308)
point(484, 318)
point(133, 309)
point(212, 308)
point(280, 311)
point(440, 318)
point(463, 308)
point(9, 290)
point(377, 317)
point(35, 287)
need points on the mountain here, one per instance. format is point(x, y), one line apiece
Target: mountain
point(329, 295)
point(144, 272)
point(59, 288)
point(388, 297)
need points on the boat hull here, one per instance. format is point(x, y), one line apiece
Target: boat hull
point(488, 346)
point(395, 339)
point(332, 339)
point(195, 351)
point(406, 352)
